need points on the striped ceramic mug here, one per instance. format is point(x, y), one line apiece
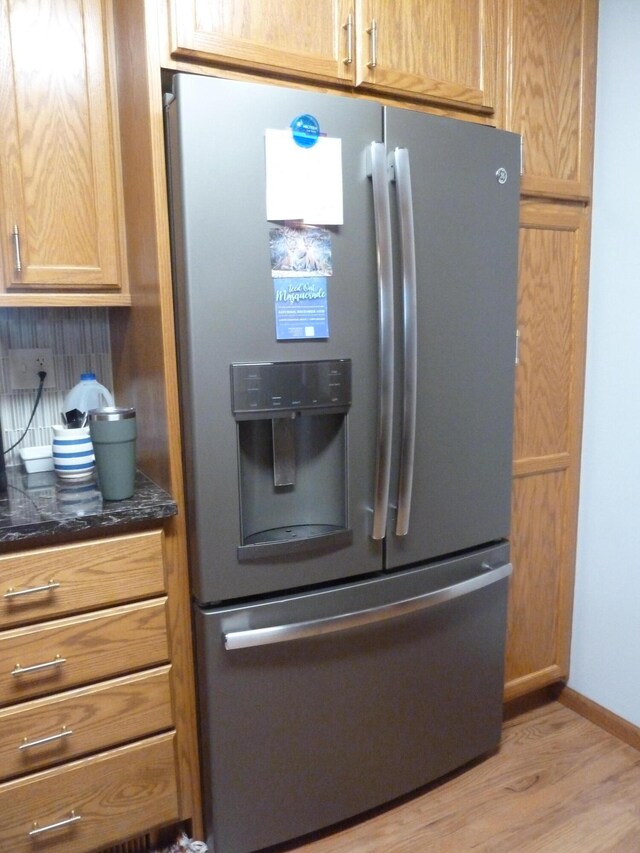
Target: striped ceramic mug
point(72, 452)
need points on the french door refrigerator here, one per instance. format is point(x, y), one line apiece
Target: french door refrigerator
point(346, 374)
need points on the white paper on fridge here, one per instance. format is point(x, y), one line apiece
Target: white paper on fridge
point(303, 183)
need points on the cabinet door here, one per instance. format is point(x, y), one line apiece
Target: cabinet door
point(443, 50)
point(312, 39)
point(550, 93)
point(60, 208)
point(552, 299)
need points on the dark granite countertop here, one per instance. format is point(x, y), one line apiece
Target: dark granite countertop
point(42, 506)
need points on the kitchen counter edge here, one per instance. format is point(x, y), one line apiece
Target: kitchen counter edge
point(41, 507)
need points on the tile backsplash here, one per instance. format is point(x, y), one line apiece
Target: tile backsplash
point(79, 341)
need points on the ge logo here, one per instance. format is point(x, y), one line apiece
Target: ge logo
point(502, 175)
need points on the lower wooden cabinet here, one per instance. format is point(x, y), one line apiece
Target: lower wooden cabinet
point(88, 804)
point(88, 752)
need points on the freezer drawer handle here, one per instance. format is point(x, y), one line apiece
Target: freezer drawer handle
point(382, 216)
point(402, 177)
point(317, 627)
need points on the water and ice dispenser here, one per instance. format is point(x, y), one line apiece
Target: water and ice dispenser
point(291, 420)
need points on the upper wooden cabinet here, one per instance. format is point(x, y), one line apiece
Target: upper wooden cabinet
point(311, 39)
point(438, 50)
point(550, 92)
point(444, 50)
point(61, 214)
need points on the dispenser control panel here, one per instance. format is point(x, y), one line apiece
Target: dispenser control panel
point(267, 387)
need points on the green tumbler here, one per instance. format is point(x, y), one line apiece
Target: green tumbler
point(113, 434)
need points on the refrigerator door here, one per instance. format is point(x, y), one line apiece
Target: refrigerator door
point(226, 315)
point(319, 706)
point(462, 198)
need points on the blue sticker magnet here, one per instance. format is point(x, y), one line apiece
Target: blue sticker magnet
point(306, 130)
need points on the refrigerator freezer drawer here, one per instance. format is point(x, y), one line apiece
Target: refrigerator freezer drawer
point(303, 733)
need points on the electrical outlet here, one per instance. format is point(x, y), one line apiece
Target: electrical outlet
point(24, 365)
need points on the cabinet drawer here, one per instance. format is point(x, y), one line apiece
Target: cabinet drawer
point(66, 653)
point(91, 803)
point(52, 582)
point(44, 732)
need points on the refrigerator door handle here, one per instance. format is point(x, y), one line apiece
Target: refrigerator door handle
point(382, 216)
point(402, 175)
point(316, 627)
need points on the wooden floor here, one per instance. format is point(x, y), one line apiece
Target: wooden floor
point(558, 783)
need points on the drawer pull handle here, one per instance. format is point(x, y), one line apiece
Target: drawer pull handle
point(36, 667)
point(15, 593)
point(64, 732)
point(38, 830)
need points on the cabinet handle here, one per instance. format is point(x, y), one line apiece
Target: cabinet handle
point(373, 35)
point(38, 830)
point(64, 732)
point(15, 234)
point(349, 30)
point(15, 593)
point(37, 667)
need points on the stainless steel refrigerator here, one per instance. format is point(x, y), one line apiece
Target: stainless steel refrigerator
point(347, 399)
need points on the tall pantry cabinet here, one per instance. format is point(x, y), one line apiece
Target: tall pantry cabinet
point(548, 97)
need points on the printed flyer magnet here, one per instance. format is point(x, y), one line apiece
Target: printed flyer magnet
point(300, 266)
point(301, 308)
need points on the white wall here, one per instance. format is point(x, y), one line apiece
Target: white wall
point(605, 660)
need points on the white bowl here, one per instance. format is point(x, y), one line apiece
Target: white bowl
point(37, 459)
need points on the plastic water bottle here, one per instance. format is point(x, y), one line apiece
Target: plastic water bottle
point(87, 394)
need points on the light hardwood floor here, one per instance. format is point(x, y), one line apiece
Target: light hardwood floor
point(557, 784)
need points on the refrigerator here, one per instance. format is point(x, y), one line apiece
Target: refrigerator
point(345, 294)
